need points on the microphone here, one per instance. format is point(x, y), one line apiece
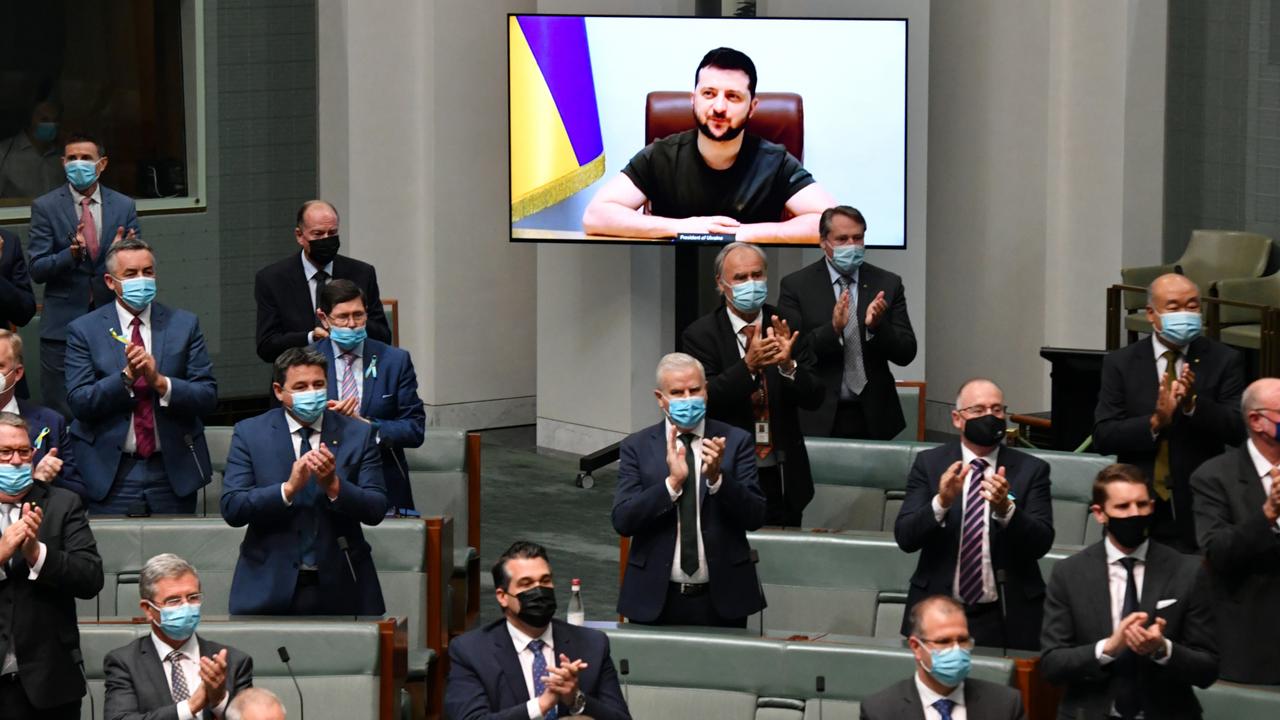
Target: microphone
point(1001, 577)
point(755, 560)
point(191, 446)
point(624, 669)
point(78, 658)
point(284, 657)
point(345, 547)
point(820, 684)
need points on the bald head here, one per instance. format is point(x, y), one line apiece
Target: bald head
point(1260, 405)
point(255, 704)
point(1172, 288)
point(979, 391)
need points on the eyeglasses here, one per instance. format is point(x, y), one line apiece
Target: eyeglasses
point(23, 454)
point(974, 411)
point(962, 643)
point(349, 320)
point(179, 601)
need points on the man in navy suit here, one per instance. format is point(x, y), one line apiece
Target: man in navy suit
point(138, 382)
point(690, 563)
point(981, 517)
point(303, 478)
point(72, 227)
point(48, 429)
point(373, 382)
point(528, 664)
point(17, 300)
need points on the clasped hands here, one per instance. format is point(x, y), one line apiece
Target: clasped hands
point(1174, 393)
point(213, 683)
point(560, 684)
point(875, 312)
point(320, 464)
point(678, 468)
point(995, 489)
point(23, 535)
point(79, 248)
point(773, 349)
point(141, 364)
point(1131, 634)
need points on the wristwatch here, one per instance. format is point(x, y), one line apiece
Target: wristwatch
point(579, 704)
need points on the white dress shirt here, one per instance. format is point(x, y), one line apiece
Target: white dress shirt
point(12, 406)
point(295, 441)
point(521, 643)
point(1162, 365)
point(1118, 583)
point(310, 271)
point(95, 210)
point(1263, 468)
point(928, 697)
point(678, 574)
point(967, 456)
point(126, 330)
point(190, 666)
point(14, 511)
point(357, 368)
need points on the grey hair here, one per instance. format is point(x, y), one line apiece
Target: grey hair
point(672, 362)
point(13, 420)
point(162, 567)
point(126, 244)
point(15, 342)
point(252, 697)
point(965, 386)
point(945, 604)
point(724, 253)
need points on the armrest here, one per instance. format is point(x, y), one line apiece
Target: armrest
point(1258, 291)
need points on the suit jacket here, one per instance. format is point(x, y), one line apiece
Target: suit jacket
point(643, 511)
point(286, 305)
point(17, 300)
point(389, 396)
point(712, 341)
point(1243, 556)
point(39, 616)
point(1078, 615)
point(982, 700)
point(807, 294)
point(1016, 548)
point(38, 418)
point(69, 284)
point(137, 689)
point(260, 459)
point(103, 405)
point(486, 681)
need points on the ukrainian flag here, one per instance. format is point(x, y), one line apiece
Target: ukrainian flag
point(556, 146)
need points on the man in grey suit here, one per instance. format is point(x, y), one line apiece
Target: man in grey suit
point(1128, 624)
point(939, 689)
point(172, 672)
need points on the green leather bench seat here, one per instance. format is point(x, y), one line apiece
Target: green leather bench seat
point(1239, 702)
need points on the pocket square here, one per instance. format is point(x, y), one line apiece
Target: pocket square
point(384, 397)
point(1162, 604)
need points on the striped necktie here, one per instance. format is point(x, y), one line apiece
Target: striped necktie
point(349, 386)
point(971, 533)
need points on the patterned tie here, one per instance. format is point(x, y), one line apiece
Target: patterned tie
point(855, 374)
point(90, 230)
point(322, 279)
point(944, 707)
point(759, 398)
point(309, 527)
point(177, 678)
point(349, 387)
point(539, 672)
point(975, 510)
point(1161, 480)
point(688, 501)
point(1128, 697)
point(144, 412)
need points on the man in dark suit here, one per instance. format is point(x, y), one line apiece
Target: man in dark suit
point(528, 664)
point(303, 479)
point(17, 300)
point(71, 228)
point(853, 319)
point(373, 382)
point(1170, 402)
point(1237, 507)
point(939, 689)
point(48, 429)
point(1128, 624)
point(139, 381)
point(981, 516)
point(288, 292)
point(172, 672)
point(48, 558)
point(690, 563)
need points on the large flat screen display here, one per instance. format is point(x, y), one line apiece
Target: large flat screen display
point(705, 130)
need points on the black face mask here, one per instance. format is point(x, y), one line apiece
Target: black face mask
point(985, 431)
point(1130, 531)
point(324, 250)
point(537, 606)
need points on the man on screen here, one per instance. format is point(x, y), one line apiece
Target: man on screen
point(717, 178)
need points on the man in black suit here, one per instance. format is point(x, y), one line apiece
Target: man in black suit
point(48, 558)
point(1170, 402)
point(528, 664)
point(690, 563)
point(939, 689)
point(287, 292)
point(172, 672)
point(1128, 624)
point(1237, 508)
point(981, 516)
point(755, 381)
point(17, 299)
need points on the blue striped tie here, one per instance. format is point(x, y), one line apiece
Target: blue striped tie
point(975, 510)
point(349, 388)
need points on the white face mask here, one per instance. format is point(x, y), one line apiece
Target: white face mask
point(4, 381)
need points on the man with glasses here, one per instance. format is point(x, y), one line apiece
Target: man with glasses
point(200, 676)
point(981, 516)
point(940, 689)
point(1128, 625)
point(48, 558)
point(48, 429)
point(1237, 507)
point(373, 382)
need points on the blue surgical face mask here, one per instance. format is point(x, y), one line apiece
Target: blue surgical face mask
point(309, 404)
point(179, 622)
point(687, 412)
point(1180, 328)
point(950, 666)
point(14, 478)
point(137, 292)
point(848, 258)
point(348, 338)
point(82, 173)
point(748, 296)
point(46, 131)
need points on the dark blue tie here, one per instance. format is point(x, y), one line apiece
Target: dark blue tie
point(539, 672)
point(943, 707)
point(1128, 695)
point(310, 523)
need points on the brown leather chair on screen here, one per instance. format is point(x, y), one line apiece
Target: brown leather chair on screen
point(779, 118)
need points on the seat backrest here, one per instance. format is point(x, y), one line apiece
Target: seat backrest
point(911, 396)
point(1213, 255)
point(1239, 702)
point(858, 484)
point(1072, 477)
point(219, 439)
point(779, 118)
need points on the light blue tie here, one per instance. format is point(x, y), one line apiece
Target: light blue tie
point(540, 671)
point(943, 707)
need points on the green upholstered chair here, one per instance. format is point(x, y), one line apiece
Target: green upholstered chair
point(858, 484)
point(219, 439)
point(912, 397)
point(1211, 256)
point(1072, 476)
point(1242, 327)
point(1239, 702)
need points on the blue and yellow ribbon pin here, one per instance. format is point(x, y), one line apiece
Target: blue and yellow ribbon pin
point(118, 336)
point(372, 370)
point(40, 438)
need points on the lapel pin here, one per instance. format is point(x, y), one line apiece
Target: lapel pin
point(40, 438)
point(118, 336)
point(372, 370)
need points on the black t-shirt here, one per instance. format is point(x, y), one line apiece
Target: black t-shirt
point(672, 174)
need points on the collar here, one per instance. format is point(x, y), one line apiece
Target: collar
point(836, 274)
point(338, 352)
point(12, 407)
point(928, 697)
point(521, 641)
point(1261, 466)
point(190, 648)
point(738, 323)
point(126, 317)
point(1114, 555)
point(294, 425)
point(699, 431)
point(1160, 348)
point(79, 196)
point(969, 456)
point(310, 270)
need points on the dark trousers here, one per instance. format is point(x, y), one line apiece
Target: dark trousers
point(681, 609)
point(53, 376)
point(777, 513)
point(14, 704)
point(142, 487)
point(850, 421)
point(1174, 524)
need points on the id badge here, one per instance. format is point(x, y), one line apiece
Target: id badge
point(762, 433)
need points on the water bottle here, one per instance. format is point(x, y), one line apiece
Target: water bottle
point(577, 615)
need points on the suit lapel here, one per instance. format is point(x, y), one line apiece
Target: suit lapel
point(505, 650)
point(821, 287)
point(1146, 381)
point(301, 294)
point(1096, 586)
point(1154, 578)
point(285, 445)
point(1253, 494)
point(153, 670)
point(330, 433)
point(326, 349)
point(159, 324)
point(111, 321)
point(915, 707)
point(726, 338)
point(864, 298)
point(370, 359)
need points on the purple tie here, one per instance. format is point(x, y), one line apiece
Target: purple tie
point(975, 508)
